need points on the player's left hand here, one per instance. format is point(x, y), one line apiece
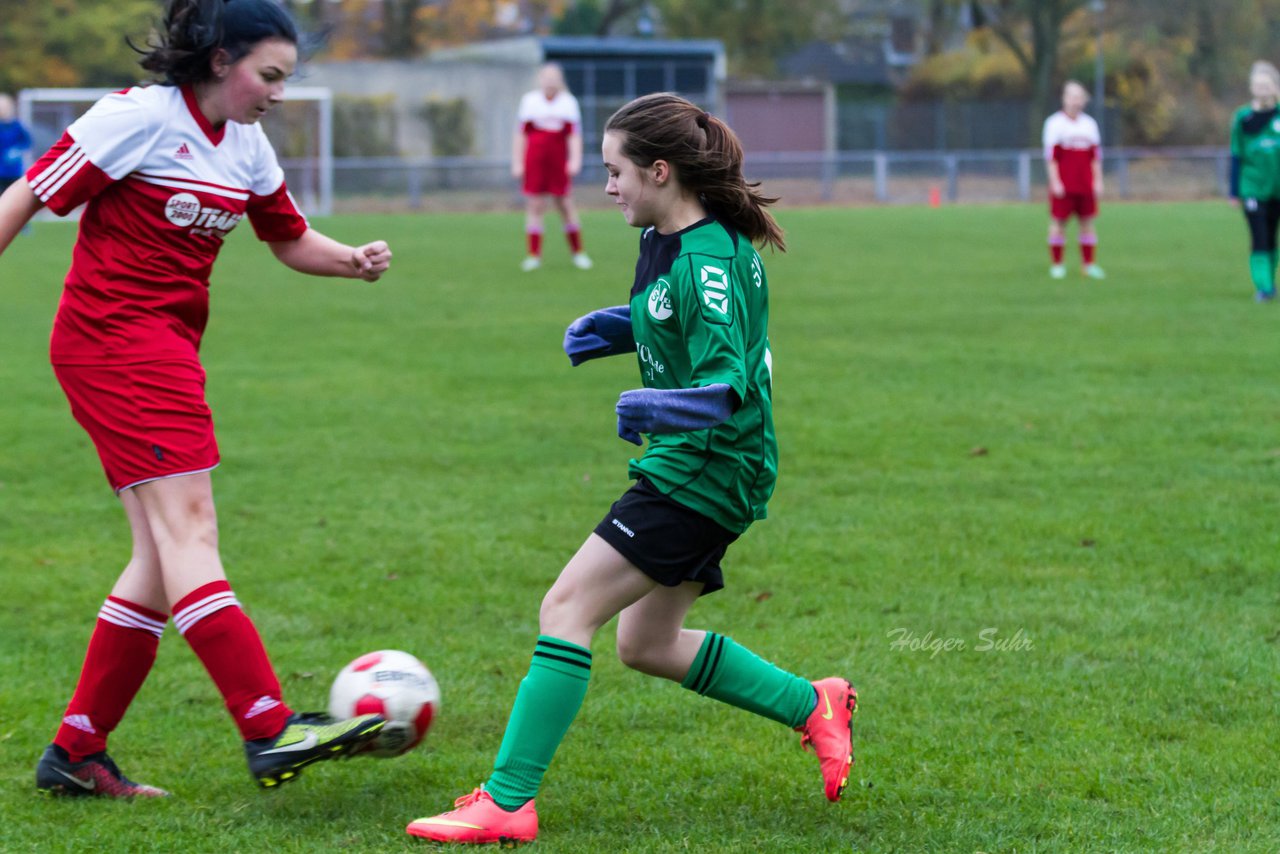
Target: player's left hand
point(625, 432)
point(635, 411)
point(371, 260)
point(677, 410)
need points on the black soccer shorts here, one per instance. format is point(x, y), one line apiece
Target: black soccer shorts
point(666, 540)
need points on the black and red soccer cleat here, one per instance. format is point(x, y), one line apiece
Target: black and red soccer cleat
point(94, 776)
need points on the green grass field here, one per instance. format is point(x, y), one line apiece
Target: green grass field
point(971, 452)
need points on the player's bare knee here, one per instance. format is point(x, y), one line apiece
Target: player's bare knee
point(647, 651)
point(637, 655)
point(190, 523)
point(559, 615)
point(200, 519)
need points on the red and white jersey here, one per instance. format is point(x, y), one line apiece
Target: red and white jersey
point(559, 115)
point(161, 189)
point(1074, 144)
point(547, 125)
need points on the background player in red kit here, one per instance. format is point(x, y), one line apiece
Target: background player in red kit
point(1073, 159)
point(547, 154)
point(165, 172)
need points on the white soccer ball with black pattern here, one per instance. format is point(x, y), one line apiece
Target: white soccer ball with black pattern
point(393, 684)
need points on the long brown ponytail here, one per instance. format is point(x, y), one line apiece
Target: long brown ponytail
point(706, 156)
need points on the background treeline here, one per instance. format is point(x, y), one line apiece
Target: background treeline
point(1174, 68)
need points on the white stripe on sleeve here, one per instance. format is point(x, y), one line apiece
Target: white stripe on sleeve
point(52, 179)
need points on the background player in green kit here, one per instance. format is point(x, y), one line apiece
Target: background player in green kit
point(698, 324)
point(1255, 173)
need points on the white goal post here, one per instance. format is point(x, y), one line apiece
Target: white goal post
point(301, 129)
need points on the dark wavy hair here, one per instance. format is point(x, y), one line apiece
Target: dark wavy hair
point(193, 30)
point(706, 156)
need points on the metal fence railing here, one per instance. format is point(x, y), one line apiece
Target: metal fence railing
point(854, 177)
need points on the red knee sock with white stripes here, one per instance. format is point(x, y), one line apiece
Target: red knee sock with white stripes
point(121, 652)
point(1056, 245)
point(228, 645)
point(573, 234)
point(1088, 248)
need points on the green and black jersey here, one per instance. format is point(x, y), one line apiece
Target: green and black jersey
point(700, 316)
point(1255, 149)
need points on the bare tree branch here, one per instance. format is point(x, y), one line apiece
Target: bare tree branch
point(998, 19)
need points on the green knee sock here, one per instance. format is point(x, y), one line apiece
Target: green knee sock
point(735, 675)
point(1262, 270)
point(546, 704)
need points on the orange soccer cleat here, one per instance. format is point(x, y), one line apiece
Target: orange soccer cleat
point(477, 820)
point(829, 731)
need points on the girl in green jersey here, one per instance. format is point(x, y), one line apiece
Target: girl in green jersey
point(1255, 174)
point(697, 323)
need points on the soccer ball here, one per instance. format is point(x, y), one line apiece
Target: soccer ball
point(395, 685)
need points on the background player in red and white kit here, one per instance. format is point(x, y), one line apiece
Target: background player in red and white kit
point(164, 173)
point(1073, 159)
point(547, 155)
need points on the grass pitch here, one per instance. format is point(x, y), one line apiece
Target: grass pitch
point(1033, 521)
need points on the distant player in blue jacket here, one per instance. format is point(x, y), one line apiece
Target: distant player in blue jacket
point(14, 140)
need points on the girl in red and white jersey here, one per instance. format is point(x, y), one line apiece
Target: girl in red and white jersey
point(165, 172)
point(546, 155)
point(1073, 161)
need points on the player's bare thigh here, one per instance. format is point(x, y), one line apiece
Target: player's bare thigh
point(596, 584)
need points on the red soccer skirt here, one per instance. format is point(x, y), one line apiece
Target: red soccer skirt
point(147, 420)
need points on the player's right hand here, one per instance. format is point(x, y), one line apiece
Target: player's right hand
point(605, 332)
point(371, 260)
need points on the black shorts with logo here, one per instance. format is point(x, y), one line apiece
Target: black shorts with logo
point(667, 541)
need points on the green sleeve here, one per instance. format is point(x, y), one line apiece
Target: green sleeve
point(1237, 144)
point(706, 300)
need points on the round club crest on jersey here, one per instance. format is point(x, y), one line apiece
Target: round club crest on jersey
point(182, 209)
point(660, 300)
